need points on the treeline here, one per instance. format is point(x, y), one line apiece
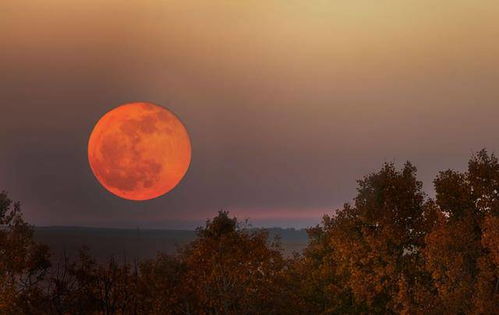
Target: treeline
point(392, 250)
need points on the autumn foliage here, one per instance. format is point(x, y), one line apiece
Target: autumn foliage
point(393, 250)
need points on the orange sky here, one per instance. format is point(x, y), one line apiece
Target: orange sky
point(288, 102)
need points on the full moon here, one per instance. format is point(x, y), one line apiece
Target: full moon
point(139, 151)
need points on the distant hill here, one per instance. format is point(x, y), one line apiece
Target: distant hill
point(138, 244)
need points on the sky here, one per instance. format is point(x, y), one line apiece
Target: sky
point(287, 102)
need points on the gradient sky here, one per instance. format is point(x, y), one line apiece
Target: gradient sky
point(288, 102)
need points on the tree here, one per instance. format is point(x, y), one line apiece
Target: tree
point(161, 290)
point(318, 285)
point(378, 242)
point(233, 270)
point(83, 286)
point(486, 297)
point(23, 262)
point(461, 250)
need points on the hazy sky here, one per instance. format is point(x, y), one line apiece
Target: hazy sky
point(288, 102)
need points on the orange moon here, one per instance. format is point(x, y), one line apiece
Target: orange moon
point(139, 151)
